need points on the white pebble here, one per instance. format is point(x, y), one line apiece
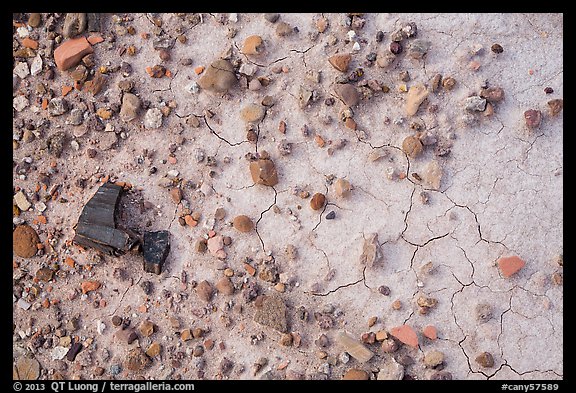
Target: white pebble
point(356, 47)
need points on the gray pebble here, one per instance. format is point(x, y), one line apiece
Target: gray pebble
point(475, 104)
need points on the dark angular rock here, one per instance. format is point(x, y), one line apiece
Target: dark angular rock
point(94, 21)
point(73, 351)
point(156, 248)
point(96, 226)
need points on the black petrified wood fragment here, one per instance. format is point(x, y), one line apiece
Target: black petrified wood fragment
point(96, 226)
point(156, 247)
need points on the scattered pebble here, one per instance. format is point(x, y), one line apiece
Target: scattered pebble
point(283, 29)
point(412, 146)
point(497, 48)
point(492, 94)
point(391, 370)
point(204, 290)
point(510, 265)
point(130, 106)
point(416, 95)
point(243, 223)
point(153, 118)
point(225, 286)
point(342, 187)
point(218, 77)
point(356, 374)
point(430, 332)
point(405, 334)
point(432, 174)
point(253, 45)
point(263, 171)
point(555, 106)
point(485, 359)
point(533, 118)
point(137, 360)
point(371, 252)
point(433, 359)
point(24, 241)
point(419, 48)
point(318, 200)
point(252, 113)
point(272, 313)
point(475, 104)
point(354, 347)
point(348, 94)
point(341, 62)
point(331, 215)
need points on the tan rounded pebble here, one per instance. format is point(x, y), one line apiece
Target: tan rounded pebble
point(225, 286)
point(433, 359)
point(356, 374)
point(342, 187)
point(555, 106)
point(485, 359)
point(412, 146)
point(397, 305)
point(218, 77)
point(318, 200)
point(448, 83)
point(204, 290)
point(153, 350)
point(243, 223)
point(264, 172)
point(252, 113)
point(253, 45)
point(286, 339)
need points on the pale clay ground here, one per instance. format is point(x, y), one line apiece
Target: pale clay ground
point(501, 194)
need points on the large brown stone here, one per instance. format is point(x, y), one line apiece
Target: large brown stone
point(71, 52)
point(24, 240)
point(219, 77)
point(348, 94)
point(264, 172)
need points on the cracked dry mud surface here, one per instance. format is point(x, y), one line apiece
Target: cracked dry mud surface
point(500, 195)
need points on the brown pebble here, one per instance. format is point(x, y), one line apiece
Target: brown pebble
point(24, 240)
point(372, 321)
point(492, 94)
point(99, 371)
point(497, 48)
point(533, 118)
point(243, 223)
point(253, 45)
point(204, 290)
point(555, 106)
point(185, 335)
point(286, 339)
point(341, 62)
point(318, 200)
point(558, 278)
point(164, 55)
point(264, 172)
point(412, 146)
point(397, 305)
point(485, 359)
point(342, 187)
point(389, 345)
point(356, 374)
point(176, 194)
point(225, 286)
point(448, 83)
